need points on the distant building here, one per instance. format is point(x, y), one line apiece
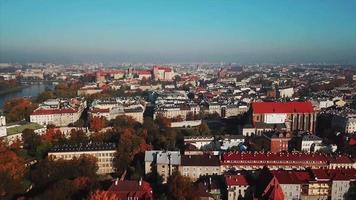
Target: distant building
point(89, 90)
point(58, 112)
point(163, 73)
point(112, 107)
point(286, 92)
point(295, 115)
point(103, 152)
point(131, 190)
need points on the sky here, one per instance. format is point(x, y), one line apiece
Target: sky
point(162, 31)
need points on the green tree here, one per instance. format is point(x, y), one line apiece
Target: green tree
point(31, 141)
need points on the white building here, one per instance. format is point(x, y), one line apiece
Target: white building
point(286, 92)
point(111, 108)
point(237, 186)
point(58, 112)
point(3, 132)
point(309, 142)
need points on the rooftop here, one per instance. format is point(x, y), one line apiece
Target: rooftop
point(90, 146)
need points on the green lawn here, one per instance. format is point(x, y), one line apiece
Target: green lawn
point(19, 129)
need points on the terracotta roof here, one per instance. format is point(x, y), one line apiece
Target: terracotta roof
point(287, 177)
point(41, 111)
point(279, 158)
point(127, 188)
point(235, 180)
point(340, 159)
point(166, 69)
point(282, 107)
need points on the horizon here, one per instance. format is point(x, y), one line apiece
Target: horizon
point(278, 32)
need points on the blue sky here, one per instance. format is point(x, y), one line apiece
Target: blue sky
point(249, 31)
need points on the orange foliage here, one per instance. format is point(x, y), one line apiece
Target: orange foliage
point(52, 134)
point(102, 195)
point(11, 163)
point(97, 123)
point(81, 181)
point(18, 109)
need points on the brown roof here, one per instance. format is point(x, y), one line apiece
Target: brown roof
point(200, 160)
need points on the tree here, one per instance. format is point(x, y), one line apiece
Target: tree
point(12, 172)
point(31, 141)
point(163, 122)
point(203, 129)
point(129, 145)
point(77, 136)
point(48, 170)
point(102, 195)
point(45, 96)
point(180, 187)
point(97, 123)
point(18, 109)
point(122, 121)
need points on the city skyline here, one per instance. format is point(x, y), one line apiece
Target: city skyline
point(181, 31)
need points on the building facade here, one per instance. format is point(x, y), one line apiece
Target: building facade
point(59, 112)
point(103, 152)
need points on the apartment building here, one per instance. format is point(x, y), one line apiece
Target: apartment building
point(195, 166)
point(103, 152)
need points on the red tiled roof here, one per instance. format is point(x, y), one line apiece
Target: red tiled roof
point(287, 177)
point(352, 141)
point(267, 156)
point(232, 180)
point(143, 72)
point(334, 174)
point(41, 111)
point(166, 69)
point(127, 188)
point(340, 159)
point(282, 107)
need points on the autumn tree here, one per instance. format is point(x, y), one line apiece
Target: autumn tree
point(163, 122)
point(129, 145)
point(18, 109)
point(12, 172)
point(97, 123)
point(180, 187)
point(102, 195)
point(78, 136)
point(122, 121)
